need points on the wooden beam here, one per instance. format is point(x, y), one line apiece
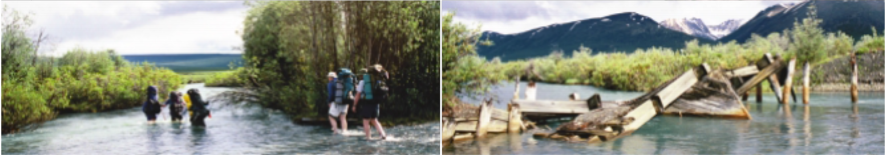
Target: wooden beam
point(646, 110)
point(529, 107)
point(448, 130)
point(514, 123)
point(773, 80)
point(742, 72)
point(853, 78)
point(770, 69)
point(788, 81)
point(485, 117)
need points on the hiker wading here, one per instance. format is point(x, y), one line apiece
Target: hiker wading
point(371, 91)
point(176, 106)
point(151, 107)
point(198, 107)
point(343, 97)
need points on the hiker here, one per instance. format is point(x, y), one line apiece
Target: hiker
point(371, 91)
point(176, 105)
point(531, 91)
point(198, 108)
point(342, 99)
point(330, 90)
point(151, 107)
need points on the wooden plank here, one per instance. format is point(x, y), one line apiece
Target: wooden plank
point(742, 72)
point(641, 115)
point(762, 75)
point(485, 117)
point(788, 82)
point(514, 124)
point(772, 79)
point(469, 126)
point(462, 137)
point(679, 86)
point(448, 130)
point(529, 107)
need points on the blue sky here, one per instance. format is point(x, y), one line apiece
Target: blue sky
point(510, 17)
point(137, 27)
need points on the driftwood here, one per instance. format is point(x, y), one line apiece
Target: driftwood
point(712, 96)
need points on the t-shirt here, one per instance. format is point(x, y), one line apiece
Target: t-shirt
point(359, 87)
point(331, 88)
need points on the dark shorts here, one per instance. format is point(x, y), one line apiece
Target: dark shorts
point(151, 116)
point(368, 110)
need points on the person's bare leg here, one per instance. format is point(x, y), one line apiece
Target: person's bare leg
point(343, 118)
point(367, 128)
point(379, 128)
point(334, 126)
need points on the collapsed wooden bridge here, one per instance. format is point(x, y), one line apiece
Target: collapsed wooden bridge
point(701, 91)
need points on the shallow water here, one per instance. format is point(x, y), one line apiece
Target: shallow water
point(830, 124)
point(231, 130)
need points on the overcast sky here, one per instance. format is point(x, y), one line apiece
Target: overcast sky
point(510, 17)
point(141, 27)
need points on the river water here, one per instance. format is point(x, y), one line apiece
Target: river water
point(829, 124)
point(231, 130)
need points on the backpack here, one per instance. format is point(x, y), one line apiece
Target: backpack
point(344, 86)
point(197, 103)
point(374, 86)
point(154, 106)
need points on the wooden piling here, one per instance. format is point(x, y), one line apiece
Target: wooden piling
point(759, 92)
point(788, 81)
point(514, 122)
point(745, 96)
point(773, 80)
point(806, 82)
point(853, 78)
point(485, 116)
point(516, 92)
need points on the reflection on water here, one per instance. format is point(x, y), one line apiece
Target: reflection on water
point(829, 124)
point(231, 130)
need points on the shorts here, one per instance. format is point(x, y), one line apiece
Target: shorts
point(151, 116)
point(337, 109)
point(368, 110)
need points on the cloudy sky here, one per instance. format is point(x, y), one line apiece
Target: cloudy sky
point(141, 27)
point(510, 17)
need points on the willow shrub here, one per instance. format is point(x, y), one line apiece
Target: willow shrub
point(79, 81)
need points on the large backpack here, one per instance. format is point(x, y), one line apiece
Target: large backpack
point(153, 104)
point(374, 86)
point(344, 86)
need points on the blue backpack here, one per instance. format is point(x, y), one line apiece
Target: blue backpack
point(374, 86)
point(344, 86)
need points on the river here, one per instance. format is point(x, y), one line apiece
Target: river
point(231, 130)
point(829, 124)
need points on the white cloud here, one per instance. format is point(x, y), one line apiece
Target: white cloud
point(189, 33)
point(140, 27)
point(711, 12)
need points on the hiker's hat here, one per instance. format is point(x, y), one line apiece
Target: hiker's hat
point(332, 75)
point(378, 67)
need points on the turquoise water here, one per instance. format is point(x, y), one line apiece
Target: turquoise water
point(231, 130)
point(830, 124)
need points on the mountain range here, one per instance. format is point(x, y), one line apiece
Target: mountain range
point(629, 31)
point(189, 62)
point(697, 28)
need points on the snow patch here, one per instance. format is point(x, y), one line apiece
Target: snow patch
point(573, 26)
point(606, 20)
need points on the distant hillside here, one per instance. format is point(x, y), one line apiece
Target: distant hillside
point(189, 62)
point(690, 26)
point(619, 32)
point(855, 18)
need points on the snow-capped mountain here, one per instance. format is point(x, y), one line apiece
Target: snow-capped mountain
point(690, 26)
point(697, 28)
point(725, 27)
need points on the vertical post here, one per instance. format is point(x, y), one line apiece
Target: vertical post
point(516, 92)
point(485, 117)
point(788, 81)
point(514, 123)
point(759, 92)
point(806, 72)
point(745, 96)
point(853, 78)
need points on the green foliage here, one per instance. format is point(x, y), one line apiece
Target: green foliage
point(870, 43)
point(645, 69)
point(808, 40)
point(463, 71)
point(291, 45)
point(36, 88)
point(232, 78)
